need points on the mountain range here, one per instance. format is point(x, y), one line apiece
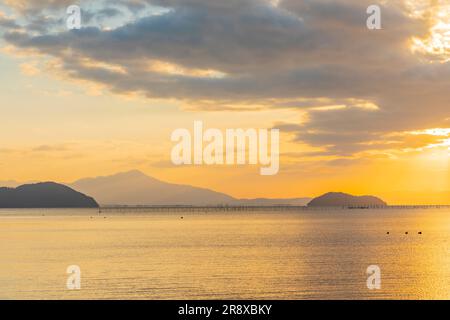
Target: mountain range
point(136, 188)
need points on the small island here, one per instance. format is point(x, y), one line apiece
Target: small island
point(44, 195)
point(339, 199)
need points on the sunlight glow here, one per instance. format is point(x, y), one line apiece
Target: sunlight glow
point(441, 132)
point(436, 46)
point(169, 68)
point(438, 132)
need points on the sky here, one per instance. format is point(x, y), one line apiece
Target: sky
point(359, 111)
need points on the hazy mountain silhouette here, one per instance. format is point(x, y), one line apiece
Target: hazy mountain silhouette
point(44, 195)
point(339, 199)
point(136, 188)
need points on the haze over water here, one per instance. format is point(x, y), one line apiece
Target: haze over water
point(248, 255)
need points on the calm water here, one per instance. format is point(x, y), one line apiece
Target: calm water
point(272, 255)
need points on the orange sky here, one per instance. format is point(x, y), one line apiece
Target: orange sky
point(86, 113)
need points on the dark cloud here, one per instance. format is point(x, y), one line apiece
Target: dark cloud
point(293, 55)
point(8, 23)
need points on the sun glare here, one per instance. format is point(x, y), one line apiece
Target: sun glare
point(436, 46)
point(443, 142)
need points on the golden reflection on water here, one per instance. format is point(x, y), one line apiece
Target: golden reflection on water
point(278, 255)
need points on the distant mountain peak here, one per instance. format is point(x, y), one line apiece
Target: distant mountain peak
point(136, 188)
point(132, 173)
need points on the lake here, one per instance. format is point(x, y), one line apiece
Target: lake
point(310, 254)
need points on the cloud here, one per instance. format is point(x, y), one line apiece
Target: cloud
point(317, 56)
point(30, 68)
point(6, 22)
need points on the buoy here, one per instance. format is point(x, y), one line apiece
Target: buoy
point(420, 232)
point(406, 232)
point(387, 232)
point(182, 217)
